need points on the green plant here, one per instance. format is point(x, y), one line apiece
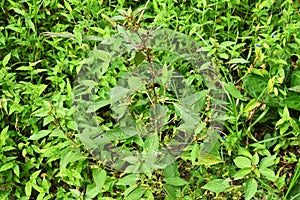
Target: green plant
point(253, 168)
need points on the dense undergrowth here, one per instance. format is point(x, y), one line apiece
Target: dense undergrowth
point(255, 48)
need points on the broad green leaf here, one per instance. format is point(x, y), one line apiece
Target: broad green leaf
point(136, 194)
point(92, 191)
point(42, 112)
point(128, 180)
point(146, 167)
point(72, 175)
point(69, 88)
point(259, 72)
point(295, 88)
point(195, 152)
point(47, 120)
point(217, 185)
point(87, 83)
point(285, 114)
point(244, 152)
point(242, 162)
point(295, 78)
point(103, 55)
point(252, 104)
point(187, 115)
point(19, 11)
point(72, 125)
point(2, 38)
point(131, 159)
point(224, 55)
point(99, 176)
point(4, 131)
point(267, 162)
point(152, 142)
point(294, 193)
point(57, 133)
point(262, 148)
point(118, 18)
point(171, 190)
point(70, 157)
point(268, 173)
point(97, 105)
point(251, 188)
point(176, 181)
point(41, 88)
point(166, 76)
point(231, 89)
point(171, 171)
point(28, 188)
point(129, 190)
point(76, 193)
point(68, 6)
point(158, 114)
point(242, 173)
point(292, 101)
point(35, 174)
point(6, 166)
point(16, 170)
point(255, 86)
point(104, 16)
point(30, 24)
point(208, 159)
point(256, 172)
point(280, 183)
point(78, 34)
point(37, 187)
point(238, 61)
point(122, 31)
point(41, 195)
point(139, 57)
point(119, 133)
point(227, 43)
point(6, 59)
point(7, 148)
point(135, 83)
point(98, 30)
point(195, 99)
point(281, 61)
point(39, 135)
point(255, 159)
point(118, 93)
point(148, 195)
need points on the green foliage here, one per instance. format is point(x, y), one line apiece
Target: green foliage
point(251, 167)
point(254, 45)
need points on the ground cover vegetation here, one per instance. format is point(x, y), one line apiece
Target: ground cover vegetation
point(254, 45)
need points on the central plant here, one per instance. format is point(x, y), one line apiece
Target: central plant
point(156, 111)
